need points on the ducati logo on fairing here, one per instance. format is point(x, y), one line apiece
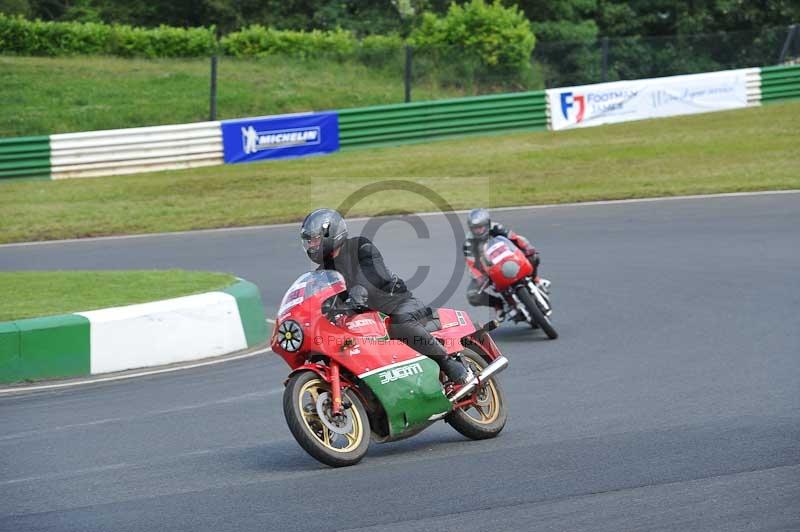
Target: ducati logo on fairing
point(400, 373)
point(361, 322)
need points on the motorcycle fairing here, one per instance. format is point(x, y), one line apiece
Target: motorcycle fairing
point(409, 391)
point(455, 325)
point(495, 253)
point(369, 325)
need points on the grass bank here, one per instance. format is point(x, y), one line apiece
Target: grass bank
point(744, 150)
point(42, 96)
point(33, 294)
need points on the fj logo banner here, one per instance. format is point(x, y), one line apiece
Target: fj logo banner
point(621, 101)
point(276, 137)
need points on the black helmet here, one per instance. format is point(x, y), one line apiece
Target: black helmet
point(323, 232)
point(479, 223)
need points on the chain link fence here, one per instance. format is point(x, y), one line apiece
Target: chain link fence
point(577, 63)
point(71, 94)
point(565, 63)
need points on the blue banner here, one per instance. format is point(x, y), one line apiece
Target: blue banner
point(254, 139)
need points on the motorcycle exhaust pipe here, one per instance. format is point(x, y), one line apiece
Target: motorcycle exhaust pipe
point(495, 367)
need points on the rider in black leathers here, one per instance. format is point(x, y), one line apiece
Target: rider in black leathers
point(324, 237)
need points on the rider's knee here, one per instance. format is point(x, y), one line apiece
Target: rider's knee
point(474, 298)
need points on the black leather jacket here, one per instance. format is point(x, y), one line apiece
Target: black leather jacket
point(360, 263)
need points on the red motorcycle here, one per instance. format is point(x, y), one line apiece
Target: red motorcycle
point(349, 381)
point(505, 268)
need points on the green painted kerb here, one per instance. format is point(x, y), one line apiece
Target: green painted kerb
point(251, 311)
point(410, 393)
point(25, 157)
point(44, 348)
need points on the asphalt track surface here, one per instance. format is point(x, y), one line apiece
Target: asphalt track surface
point(670, 402)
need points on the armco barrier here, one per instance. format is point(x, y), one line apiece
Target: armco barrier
point(753, 77)
point(133, 336)
point(135, 150)
point(393, 124)
point(780, 83)
point(129, 151)
point(25, 157)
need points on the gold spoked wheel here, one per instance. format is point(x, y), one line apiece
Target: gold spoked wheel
point(486, 409)
point(340, 440)
point(487, 416)
point(340, 434)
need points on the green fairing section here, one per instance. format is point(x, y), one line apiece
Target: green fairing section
point(251, 311)
point(410, 400)
point(44, 348)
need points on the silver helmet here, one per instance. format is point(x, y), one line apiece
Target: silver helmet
point(322, 233)
point(479, 223)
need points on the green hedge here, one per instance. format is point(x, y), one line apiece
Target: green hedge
point(27, 37)
point(258, 41)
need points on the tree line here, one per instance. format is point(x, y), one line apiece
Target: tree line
point(551, 20)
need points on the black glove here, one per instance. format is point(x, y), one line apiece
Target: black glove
point(358, 297)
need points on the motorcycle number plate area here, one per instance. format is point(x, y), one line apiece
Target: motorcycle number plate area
point(409, 391)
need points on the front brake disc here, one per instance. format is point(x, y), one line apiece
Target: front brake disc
point(342, 424)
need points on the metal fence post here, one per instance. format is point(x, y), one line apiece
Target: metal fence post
point(604, 64)
point(789, 38)
point(213, 103)
point(408, 73)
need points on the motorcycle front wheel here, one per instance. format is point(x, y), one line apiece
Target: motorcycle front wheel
point(337, 441)
point(487, 417)
point(536, 313)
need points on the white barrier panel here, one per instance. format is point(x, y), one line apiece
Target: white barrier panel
point(164, 332)
point(134, 150)
point(622, 101)
point(753, 76)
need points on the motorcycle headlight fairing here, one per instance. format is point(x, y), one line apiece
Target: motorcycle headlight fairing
point(510, 269)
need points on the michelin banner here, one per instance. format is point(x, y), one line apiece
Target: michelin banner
point(621, 101)
point(276, 137)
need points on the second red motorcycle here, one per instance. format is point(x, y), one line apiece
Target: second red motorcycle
point(504, 268)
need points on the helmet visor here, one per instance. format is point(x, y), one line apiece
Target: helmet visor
point(312, 243)
point(479, 230)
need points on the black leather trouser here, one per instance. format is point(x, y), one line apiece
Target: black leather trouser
point(406, 326)
point(481, 299)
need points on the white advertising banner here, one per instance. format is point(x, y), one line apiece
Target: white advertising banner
point(621, 101)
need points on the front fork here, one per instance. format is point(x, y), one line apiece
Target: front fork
point(541, 297)
point(336, 388)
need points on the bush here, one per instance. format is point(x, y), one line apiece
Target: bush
point(381, 50)
point(26, 37)
point(258, 41)
point(499, 38)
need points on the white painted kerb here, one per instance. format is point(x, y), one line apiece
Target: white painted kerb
point(164, 332)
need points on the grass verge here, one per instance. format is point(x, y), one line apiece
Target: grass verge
point(34, 294)
point(67, 94)
point(745, 150)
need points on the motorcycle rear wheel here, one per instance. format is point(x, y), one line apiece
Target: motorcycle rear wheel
point(486, 418)
point(336, 442)
point(536, 313)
